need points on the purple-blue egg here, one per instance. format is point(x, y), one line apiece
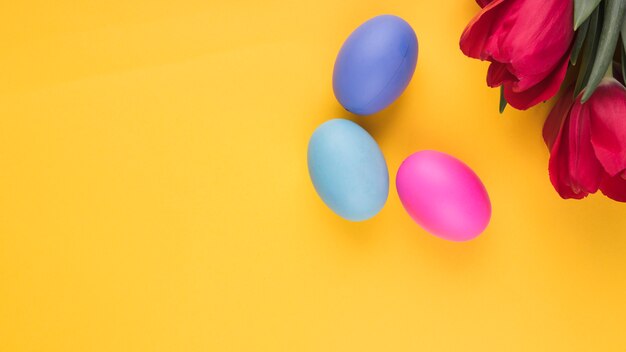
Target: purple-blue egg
point(375, 64)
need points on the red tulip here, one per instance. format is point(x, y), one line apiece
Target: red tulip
point(528, 44)
point(587, 143)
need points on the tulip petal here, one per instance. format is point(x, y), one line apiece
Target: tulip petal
point(498, 74)
point(559, 167)
point(614, 187)
point(541, 92)
point(554, 123)
point(608, 125)
point(585, 171)
point(526, 41)
point(534, 39)
point(483, 3)
point(479, 30)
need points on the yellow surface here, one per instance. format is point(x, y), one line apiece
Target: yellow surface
point(154, 194)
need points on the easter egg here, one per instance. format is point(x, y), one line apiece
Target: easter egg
point(375, 64)
point(348, 169)
point(443, 195)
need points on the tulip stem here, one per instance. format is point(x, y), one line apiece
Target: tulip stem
point(609, 72)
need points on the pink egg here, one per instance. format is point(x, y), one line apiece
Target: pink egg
point(443, 195)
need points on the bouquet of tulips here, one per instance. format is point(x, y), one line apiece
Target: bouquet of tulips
point(538, 48)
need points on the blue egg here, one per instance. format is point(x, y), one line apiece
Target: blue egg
point(348, 169)
point(375, 64)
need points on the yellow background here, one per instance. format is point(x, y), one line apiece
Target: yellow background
point(154, 194)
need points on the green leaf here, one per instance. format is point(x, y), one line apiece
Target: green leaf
point(624, 62)
point(624, 32)
point(502, 99)
point(611, 26)
point(582, 11)
point(581, 34)
point(589, 49)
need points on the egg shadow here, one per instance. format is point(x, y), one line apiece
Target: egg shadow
point(448, 257)
point(360, 234)
point(379, 123)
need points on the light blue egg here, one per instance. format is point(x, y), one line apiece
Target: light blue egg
point(375, 64)
point(348, 169)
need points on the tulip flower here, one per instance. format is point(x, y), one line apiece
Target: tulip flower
point(587, 143)
point(528, 43)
